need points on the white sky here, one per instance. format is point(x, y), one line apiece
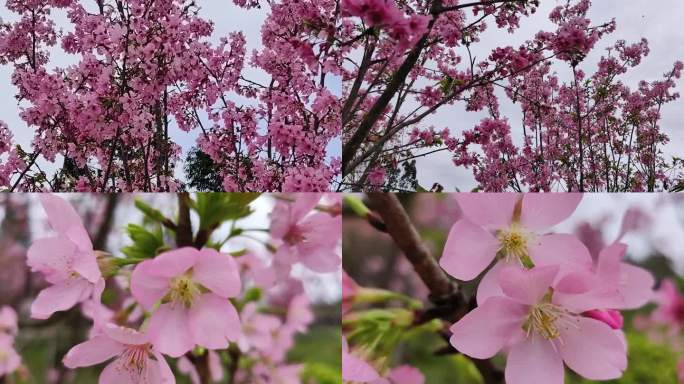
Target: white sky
point(660, 24)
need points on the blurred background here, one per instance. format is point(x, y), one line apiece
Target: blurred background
point(655, 243)
point(42, 344)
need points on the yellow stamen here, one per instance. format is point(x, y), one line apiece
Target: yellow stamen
point(184, 290)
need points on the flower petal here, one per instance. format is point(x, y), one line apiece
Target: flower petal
point(165, 373)
point(94, 351)
point(125, 335)
point(218, 272)
point(534, 360)
point(527, 286)
point(146, 286)
point(213, 321)
point(593, 350)
point(52, 257)
point(176, 262)
point(469, 249)
point(486, 329)
point(168, 330)
point(561, 249)
point(59, 297)
point(490, 210)
point(61, 215)
point(544, 210)
point(489, 285)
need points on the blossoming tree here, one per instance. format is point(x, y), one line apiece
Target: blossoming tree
point(200, 296)
point(142, 69)
point(411, 59)
point(513, 301)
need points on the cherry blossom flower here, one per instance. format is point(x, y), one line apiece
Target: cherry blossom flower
point(136, 360)
point(506, 227)
point(309, 238)
point(8, 320)
point(67, 261)
point(540, 332)
point(193, 287)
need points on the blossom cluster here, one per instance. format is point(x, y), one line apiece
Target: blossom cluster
point(582, 130)
point(194, 303)
point(141, 69)
point(542, 300)
point(546, 301)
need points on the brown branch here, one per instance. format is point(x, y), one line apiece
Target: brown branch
point(184, 227)
point(100, 240)
point(408, 240)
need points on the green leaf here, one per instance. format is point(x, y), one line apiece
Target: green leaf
point(145, 245)
point(216, 208)
point(149, 212)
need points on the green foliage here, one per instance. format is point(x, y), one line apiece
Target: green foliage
point(146, 244)
point(320, 349)
point(419, 351)
point(202, 173)
point(215, 208)
point(648, 363)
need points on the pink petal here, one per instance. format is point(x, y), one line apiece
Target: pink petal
point(125, 335)
point(534, 360)
point(527, 286)
point(564, 250)
point(321, 261)
point(165, 373)
point(61, 215)
point(406, 374)
point(608, 265)
point(593, 350)
point(469, 249)
point(213, 322)
point(168, 330)
point(59, 297)
point(304, 203)
point(94, 351)
point(51, 256)
point(355, 369)
point(186, 367)
point(486, 329)
point(215, 366)
point(86, 265)
point(176, 262)
point(490, 210)
point(489, 285)
point(636, 286)
point(146, 286)
point(217, 272)
point(544, 210)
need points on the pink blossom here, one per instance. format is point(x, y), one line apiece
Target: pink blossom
point(309, 238)
point(193, 287)
point(67, 261)
point(506, 227)
point(8, 320)
point(539, 331)
point(9, 359)
point(611, 317)
point(355, 368)
point(670, 308)
point(136, 360)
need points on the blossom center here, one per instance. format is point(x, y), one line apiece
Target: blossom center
point(184, 290)
point(134, 359)
point(547, 320)
point(513, 245)
point(294, 235)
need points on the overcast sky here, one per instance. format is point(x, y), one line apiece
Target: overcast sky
point(227, 18)
point(660, 24)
